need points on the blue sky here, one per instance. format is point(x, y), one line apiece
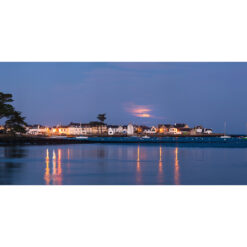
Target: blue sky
point(148, 93)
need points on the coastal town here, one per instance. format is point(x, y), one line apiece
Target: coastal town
point(101, 129)
point(16, 126)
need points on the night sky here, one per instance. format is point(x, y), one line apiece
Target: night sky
point(149, 93)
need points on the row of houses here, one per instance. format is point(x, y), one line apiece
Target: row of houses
point(98, 128)
point(73, 129)
point(176, 129)
point(183, 129)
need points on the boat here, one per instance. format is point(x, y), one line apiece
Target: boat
point(225, 136)
point(145, 137)
point(58, 137)
point(82, 137)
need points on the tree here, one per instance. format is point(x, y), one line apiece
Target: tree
point(15, 122)
point(102, 117)
point(5, 109)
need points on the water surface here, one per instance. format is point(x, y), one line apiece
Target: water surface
point(122, 164)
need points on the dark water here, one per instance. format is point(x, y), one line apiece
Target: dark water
point(117, 164)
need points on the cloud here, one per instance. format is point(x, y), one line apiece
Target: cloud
point(142, 111)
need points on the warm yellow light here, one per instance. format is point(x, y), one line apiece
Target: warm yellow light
point(54, 155)
point(139, 129)
point(176, 169)
point(68, 154)
point(138, 167)
point(59, 162)
point(161, 130)
point(54, 167)
point(47, 154)
point(161, 167)
point(47, 173)
point(59, 154)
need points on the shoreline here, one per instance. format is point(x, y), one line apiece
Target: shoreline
point(195, 140)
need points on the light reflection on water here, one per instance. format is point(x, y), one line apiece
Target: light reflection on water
point(176, 168)
point(47, 168)
point(57, 172)
point(138, 167)
point(56, 176)
point(68, 152)
point(59, 162)
point(161, 175)
point(121, 164)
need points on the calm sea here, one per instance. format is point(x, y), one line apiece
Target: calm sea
point(122, 164)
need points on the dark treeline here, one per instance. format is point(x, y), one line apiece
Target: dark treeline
point(15, 122)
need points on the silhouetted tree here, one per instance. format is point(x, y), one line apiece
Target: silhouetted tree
point(5, 109)
point(15, 122)
point(102, 117)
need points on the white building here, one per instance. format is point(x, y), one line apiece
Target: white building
point(62, 130)
point(75, 130)
point(152, 130)
point(208, 131)
point(130, 129)
point(120, 129)
point(174, 131)
point(111, 132)
point(113, 129)
point(199, 129)
point(37, 130)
